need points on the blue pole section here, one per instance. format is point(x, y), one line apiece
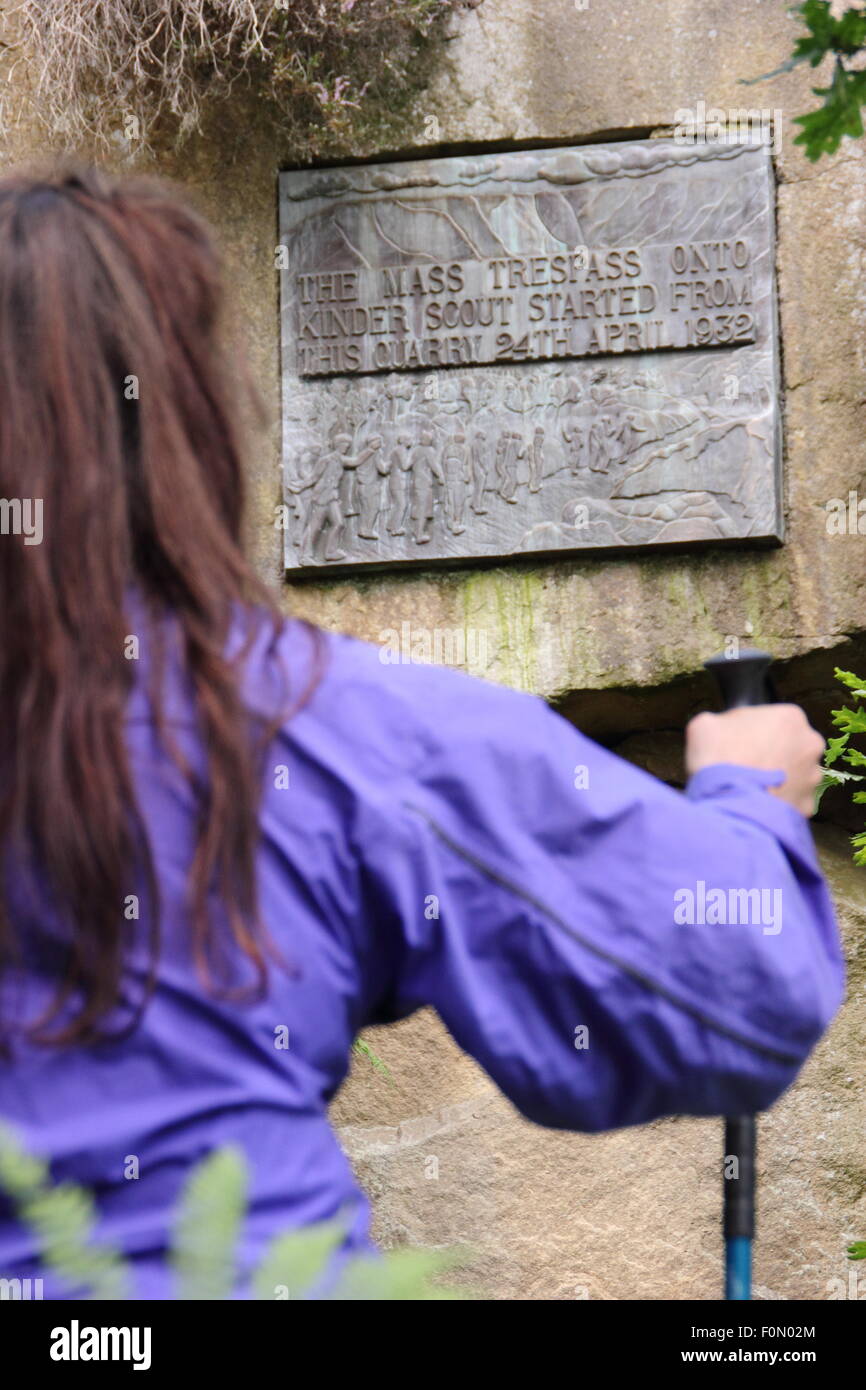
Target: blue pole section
point(738, 1268)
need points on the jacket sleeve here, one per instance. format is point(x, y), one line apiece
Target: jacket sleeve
point(610, 950)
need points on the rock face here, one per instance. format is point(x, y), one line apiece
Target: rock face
point(632, 1215)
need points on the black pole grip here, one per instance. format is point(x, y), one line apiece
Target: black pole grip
point(739, 1176)
point(742, 680)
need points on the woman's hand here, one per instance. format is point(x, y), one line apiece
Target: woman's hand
point(765, 736)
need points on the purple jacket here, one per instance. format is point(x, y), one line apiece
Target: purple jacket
point(608, 949)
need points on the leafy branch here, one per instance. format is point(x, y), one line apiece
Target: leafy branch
point(851, 721)
point(844, 40)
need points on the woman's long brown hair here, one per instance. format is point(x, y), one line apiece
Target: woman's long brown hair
point(116, 414)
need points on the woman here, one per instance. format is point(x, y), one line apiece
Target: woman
point(231, 843)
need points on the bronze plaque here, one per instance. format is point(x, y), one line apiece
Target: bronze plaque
point(536, 351)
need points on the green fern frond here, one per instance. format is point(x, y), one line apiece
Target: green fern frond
point(62, 1218)
point(407, 1274)
point(294, 1262)
point(848, 678)
point(206, 1231)
point(21, 1174)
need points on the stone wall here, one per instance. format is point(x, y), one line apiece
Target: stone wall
point(620, 643)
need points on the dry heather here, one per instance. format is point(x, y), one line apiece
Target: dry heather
point(105, 73)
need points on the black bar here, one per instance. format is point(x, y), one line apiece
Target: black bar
point(739, 1203)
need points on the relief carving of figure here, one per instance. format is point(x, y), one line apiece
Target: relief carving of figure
point(349, 500)
point(573, 437)
point(304, 466)
point(399, 485)
point(508, 451)
point(349, 495)
point(426, 472)
point(370, 468)
point(478, 457)
point(324, 515)
point(536, 459)
point(599, 444)
point(629, 436)
point(455, 466)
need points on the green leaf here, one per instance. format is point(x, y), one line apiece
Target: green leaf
point(405, 1275)
point(834, 777)
point(828, 35)
point(61, 1218)
point(827, 781)
point(21, 1174)
point(840, 115)
point(857, 1251)
point(296, 1260)
point(835, 747)
point(208, 1224)
point(855, 683)
point(815, 45)
point(850, 32)
point(852, 721)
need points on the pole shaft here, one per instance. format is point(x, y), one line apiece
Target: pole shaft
point(741, 680)
point(739, 1204)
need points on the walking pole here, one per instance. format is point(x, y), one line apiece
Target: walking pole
point(742, 680)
